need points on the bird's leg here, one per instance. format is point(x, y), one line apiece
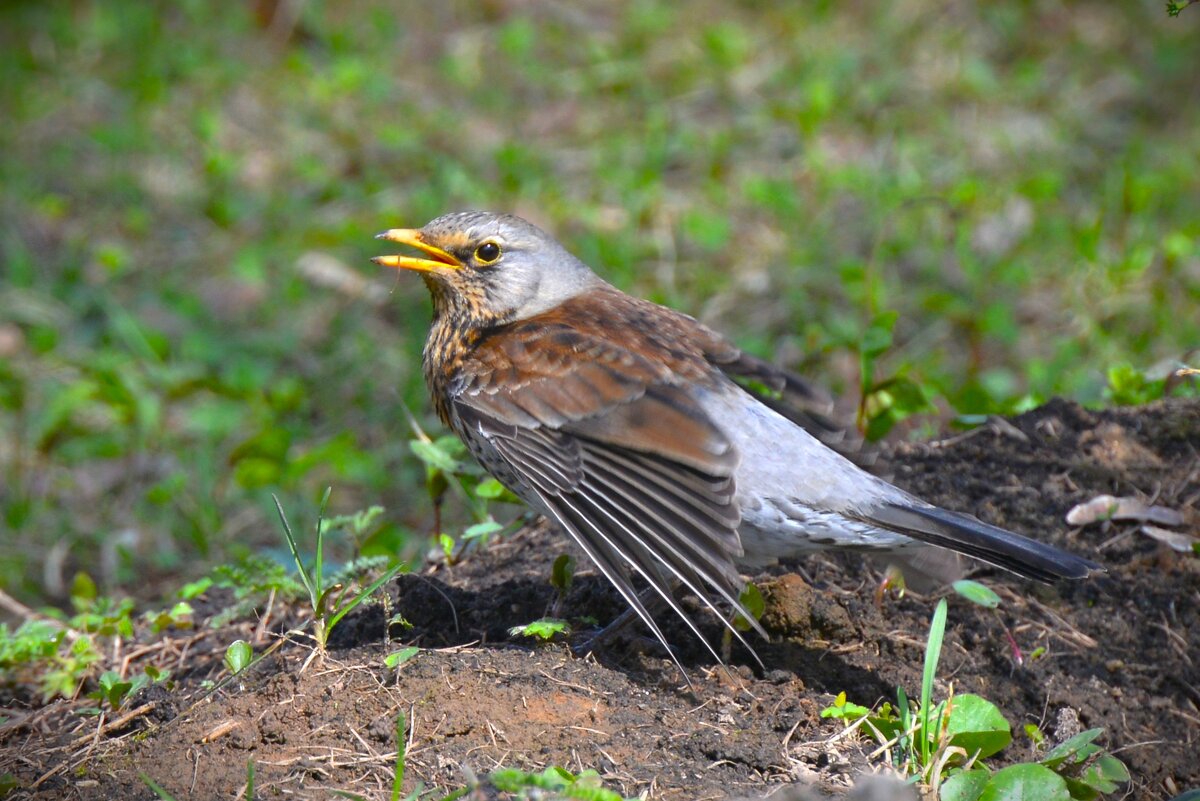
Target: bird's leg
point(650, 600)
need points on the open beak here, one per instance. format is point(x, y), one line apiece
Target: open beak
point(439, 260)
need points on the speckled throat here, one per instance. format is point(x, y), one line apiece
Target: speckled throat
point(460, 319)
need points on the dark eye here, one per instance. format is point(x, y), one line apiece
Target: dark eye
point(487, 253)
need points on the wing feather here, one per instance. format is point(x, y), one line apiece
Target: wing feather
point(614, 539)
point(631, 536)
point(665, 521)
point(627, 509)
point(608, 436)
point(607, 560)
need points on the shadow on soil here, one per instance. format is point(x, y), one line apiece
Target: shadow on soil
point(1120, 652)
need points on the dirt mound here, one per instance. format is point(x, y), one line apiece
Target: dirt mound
point(1120, 652)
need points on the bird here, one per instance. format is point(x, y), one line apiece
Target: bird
point(628, 425)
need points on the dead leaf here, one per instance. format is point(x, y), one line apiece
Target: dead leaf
point(1107, 507)
point(1172, 539)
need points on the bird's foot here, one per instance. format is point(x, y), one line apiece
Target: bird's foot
point(622, 625)
point(603, 638)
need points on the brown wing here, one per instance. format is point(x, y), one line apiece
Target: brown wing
point(590, 405)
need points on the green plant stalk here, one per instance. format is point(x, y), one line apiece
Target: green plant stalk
point(312, 591)
point(155, 787)
point(398, 774)
point(477, 506)
point(933, 651)
point(904, 737)
point(313, 583)
point(323, 621)
point(319, 559)
point(362, 596)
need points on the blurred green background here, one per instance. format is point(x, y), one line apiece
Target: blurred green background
point(983, 204)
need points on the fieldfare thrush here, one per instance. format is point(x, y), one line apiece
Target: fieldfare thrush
point(622, 422)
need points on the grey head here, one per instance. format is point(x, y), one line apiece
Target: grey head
point(503, 267)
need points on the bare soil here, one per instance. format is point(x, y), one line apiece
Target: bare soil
point(1120, 651)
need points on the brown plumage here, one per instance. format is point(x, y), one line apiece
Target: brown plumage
point(621, 421)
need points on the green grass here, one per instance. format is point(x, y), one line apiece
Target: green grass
point(943, 747)
point(328, 599)
point(1019, 183)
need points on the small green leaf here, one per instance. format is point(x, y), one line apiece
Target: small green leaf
point(933, 651)
point(977, 593)
point(966, 785)
point(327, 600)
point(490, 489)
point(238, 656)
point(181, 610)
point(179, 616)
point(1025, 782)
point(434, 456)
point(482, 529)
point(906, 396)
point(841, 709)
point(83, 591)
point(1129, 386)
point(879, 425)
point(112, 688)
point(751, 599)
point(194, 589)
point(563, 573)
point(397, 658)
point(1073, 751)
point(157, 674)
point(878, 336)
point(976, 725)
point(545, 629)
point(8, 784)
point(154, 786)
point(437, 485)
point(1106, 774)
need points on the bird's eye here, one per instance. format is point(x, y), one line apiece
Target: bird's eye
point(487, 253)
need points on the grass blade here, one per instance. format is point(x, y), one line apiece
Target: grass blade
point(249, 796)
point(366, 593)
point(933, 651)
point(319, 563)
point(153, 785)
point(398, 774)
point(312, 590)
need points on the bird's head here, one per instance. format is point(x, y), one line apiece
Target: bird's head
point(495, 267)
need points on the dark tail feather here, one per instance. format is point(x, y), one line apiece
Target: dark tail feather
point(988, 543)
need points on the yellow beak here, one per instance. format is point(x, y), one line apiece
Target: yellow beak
point(412, 237)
